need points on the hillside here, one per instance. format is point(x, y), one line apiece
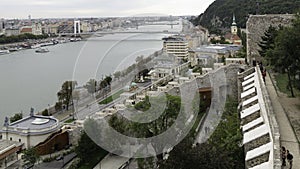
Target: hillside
point(218, 16)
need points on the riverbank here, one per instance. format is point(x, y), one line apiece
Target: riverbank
point(36, 43)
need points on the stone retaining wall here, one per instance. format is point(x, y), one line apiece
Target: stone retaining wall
point(266, 112)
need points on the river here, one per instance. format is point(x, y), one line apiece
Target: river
point(29, 79)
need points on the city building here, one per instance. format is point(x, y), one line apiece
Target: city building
point(1, 26)
point(85, 26)
point(26, 29)
point(217, 52)
point(35, 29)
point(51, 29)
point(11, 31)
point(232, 36)
point(177, 46)
point(165, 65)
point(9, 152)
point(30, 130)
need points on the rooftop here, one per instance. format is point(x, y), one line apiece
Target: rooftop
point(34, 122)
point(220, 48)
point(6, 145)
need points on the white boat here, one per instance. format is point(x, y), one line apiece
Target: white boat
point(2, 52)
point(42, 50)
point(35, 46)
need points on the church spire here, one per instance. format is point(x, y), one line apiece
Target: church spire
point(233, 26)
point(233, 20)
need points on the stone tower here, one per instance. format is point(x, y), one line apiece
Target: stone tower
point(233, 26)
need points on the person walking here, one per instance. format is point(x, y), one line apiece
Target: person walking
point(264, 74)
point(283, 156)
point(289, 157)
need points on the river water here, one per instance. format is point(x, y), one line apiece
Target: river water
point(29, 79)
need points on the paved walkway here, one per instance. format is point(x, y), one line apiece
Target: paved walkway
point(288, 137)
point(111, 162)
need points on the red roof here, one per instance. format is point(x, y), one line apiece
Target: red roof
point(26, 30)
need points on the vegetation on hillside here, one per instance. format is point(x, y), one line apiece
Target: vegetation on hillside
point(88, 152)
point(219, 14)
point(221, 151)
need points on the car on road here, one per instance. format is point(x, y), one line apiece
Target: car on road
point(59, 158)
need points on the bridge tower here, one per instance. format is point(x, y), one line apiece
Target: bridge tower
point(76, 27)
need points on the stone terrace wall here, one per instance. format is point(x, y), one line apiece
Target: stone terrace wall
point(265, 112)
point(256, 27)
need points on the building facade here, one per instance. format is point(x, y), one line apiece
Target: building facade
point(30, 130)
point(217, 52)
point(177, 46)
point(9, 152)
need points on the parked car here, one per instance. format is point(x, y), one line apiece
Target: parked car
point(59, 158)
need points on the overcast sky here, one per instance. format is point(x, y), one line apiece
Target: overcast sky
point(99, 8)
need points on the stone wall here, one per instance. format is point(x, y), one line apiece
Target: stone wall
point(55, 142)
point(256, 27)
point(266, 113)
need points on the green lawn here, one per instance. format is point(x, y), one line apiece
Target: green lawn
point(112, 98)
point(282, 83)
point(70, 120)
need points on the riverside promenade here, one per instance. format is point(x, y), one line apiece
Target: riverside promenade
point(288, 137)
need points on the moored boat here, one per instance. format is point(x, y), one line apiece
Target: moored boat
point(42, 50)
point(2, 52)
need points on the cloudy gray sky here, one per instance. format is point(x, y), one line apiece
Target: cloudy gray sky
point(98, 8)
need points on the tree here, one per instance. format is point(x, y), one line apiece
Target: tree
point(105, 82)
point(65, 94)
point(154, 128)
point(58, 106)
point(280, 48)
point(45, 112)
point(30, 155)
point(16, 117)
point(221, 151)
point(268, 40)
point(91, 86)
point(117, 74)
point(86, 147)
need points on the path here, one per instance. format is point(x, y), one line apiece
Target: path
point(287, 135)
point(111, 162)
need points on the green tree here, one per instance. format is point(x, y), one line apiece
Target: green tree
point(143, 105)
point(65, 94)
point(86, 147)
point(58, 106)
point(16, 117)
point(45, 112)
point(105, 82)
point(284, 53)
point(154, 128)
point(31, 156)
point(117, 74)
point(91, 86)
point(221, 151)
point(268, 40)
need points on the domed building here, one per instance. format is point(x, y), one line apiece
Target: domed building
point(30, 130)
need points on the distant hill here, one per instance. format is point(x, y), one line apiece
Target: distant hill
point(218, 16)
